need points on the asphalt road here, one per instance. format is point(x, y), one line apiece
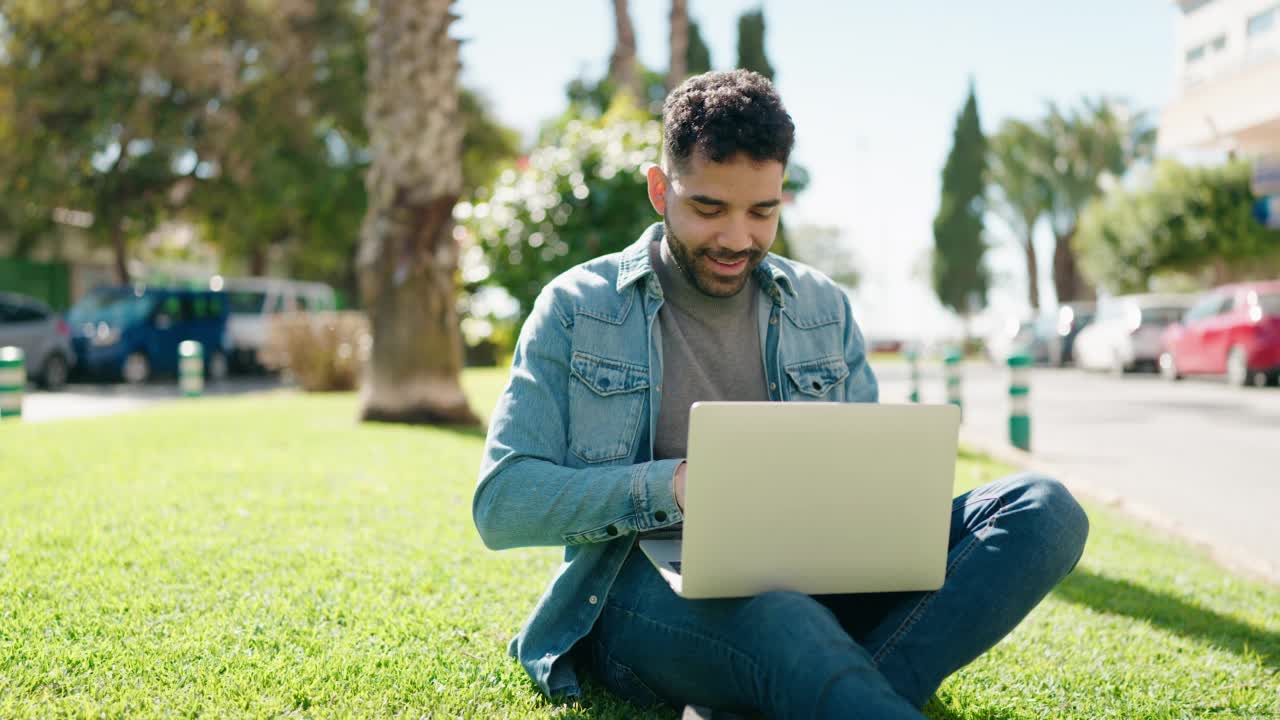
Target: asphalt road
point(1199, 453)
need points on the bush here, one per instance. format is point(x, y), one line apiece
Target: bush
point(323, 351)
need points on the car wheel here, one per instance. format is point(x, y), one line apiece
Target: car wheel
point(1169, 367)
point(217, 367)
point(1273, 379)
point(137, 368)
point(1238, 374)
point(53, 376)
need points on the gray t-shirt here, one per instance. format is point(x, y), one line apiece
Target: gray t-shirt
point(710, 350)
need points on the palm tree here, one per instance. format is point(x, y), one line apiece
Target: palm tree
point(678, 68)
point(1019, 191)
point(408, 255)
point(1101, 139)
point(624, 69)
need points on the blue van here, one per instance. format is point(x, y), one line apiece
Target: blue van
point(132, 333)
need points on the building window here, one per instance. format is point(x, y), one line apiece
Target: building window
point(1262, 22)
point(1220, 43)
point(1195, 54)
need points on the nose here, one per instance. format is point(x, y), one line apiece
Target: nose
point(735, 239)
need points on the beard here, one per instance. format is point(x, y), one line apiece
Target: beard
point(696, 269)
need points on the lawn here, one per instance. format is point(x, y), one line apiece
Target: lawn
point(267, 556)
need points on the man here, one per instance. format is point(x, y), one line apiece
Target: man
point(587, 443)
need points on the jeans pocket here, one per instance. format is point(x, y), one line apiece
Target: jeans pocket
point(624, 683)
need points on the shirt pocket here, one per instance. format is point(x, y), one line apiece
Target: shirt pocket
point(818, 380)
point(606, 402)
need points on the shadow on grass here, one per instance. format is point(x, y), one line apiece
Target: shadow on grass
point(1121, 597)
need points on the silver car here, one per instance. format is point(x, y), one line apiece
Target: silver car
point(44, 338)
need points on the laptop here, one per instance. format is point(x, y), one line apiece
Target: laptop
point(817, 498)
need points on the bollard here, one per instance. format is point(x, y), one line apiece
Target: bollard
point(913, 359)
point(13, 381)
point(191, 368)
point(1020, 401)
point(952, 372)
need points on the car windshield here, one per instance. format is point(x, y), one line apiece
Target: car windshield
point(114, 306)
point(1270, 303)
point(247, 302)
point(1162, 316)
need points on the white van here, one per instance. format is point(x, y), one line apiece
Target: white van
point(255, 300)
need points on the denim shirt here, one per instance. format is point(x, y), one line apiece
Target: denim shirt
point(569, 456)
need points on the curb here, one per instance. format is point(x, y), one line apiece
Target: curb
point(1227, 555)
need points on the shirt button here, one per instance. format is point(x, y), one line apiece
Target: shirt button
point(773, 320)
point(773, 386)
point(593, 599)
point(660, 516)
point(612, 530)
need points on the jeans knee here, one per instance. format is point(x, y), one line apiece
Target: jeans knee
point(1063, 523)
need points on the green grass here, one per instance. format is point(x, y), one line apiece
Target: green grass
point(268, 556)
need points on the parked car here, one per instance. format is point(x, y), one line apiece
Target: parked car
point(1232, 330)
point(45, 339)
point(254, 300)
point(1128, 332)
point(133, 333)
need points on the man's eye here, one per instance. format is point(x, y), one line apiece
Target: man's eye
point(763, 214)
point(706, 213)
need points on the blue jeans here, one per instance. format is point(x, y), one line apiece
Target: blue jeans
point(877, 655)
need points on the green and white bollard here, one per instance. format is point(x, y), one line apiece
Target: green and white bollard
point(13, 381)
point(913, 359)
point(952, 371)
point(1020, 401)
point(191, 368)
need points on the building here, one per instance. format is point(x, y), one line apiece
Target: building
point(1227, 97)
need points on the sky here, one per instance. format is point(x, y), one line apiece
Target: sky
point(874, 89)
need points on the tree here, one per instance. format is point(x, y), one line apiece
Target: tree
point(1194, 221)
point(111, 95)
point(408, 254)
point(960, 278)
point(581, 195)
point(623, 66)
point(697, 55)
point(751, 54)
point(1019, 191)
point(1100, 139)
point(678, 67)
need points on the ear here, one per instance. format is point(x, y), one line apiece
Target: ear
point(658, 189)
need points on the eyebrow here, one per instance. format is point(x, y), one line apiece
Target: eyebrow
point(704, 200)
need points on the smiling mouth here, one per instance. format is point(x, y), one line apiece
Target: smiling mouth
point(727, 267)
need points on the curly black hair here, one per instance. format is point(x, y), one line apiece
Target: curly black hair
point(721, 114)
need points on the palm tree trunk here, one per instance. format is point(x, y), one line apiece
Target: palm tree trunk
point(1067, 279)
point(1033, 266)
point(407, 254)
point(622, 65)
point(678, 68)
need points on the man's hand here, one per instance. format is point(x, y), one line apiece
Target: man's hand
point(679, 484)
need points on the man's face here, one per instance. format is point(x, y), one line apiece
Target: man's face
point(721, 218)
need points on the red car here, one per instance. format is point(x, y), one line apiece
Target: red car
point(1233, 330)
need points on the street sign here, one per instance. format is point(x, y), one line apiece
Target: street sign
point(1267, 211)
